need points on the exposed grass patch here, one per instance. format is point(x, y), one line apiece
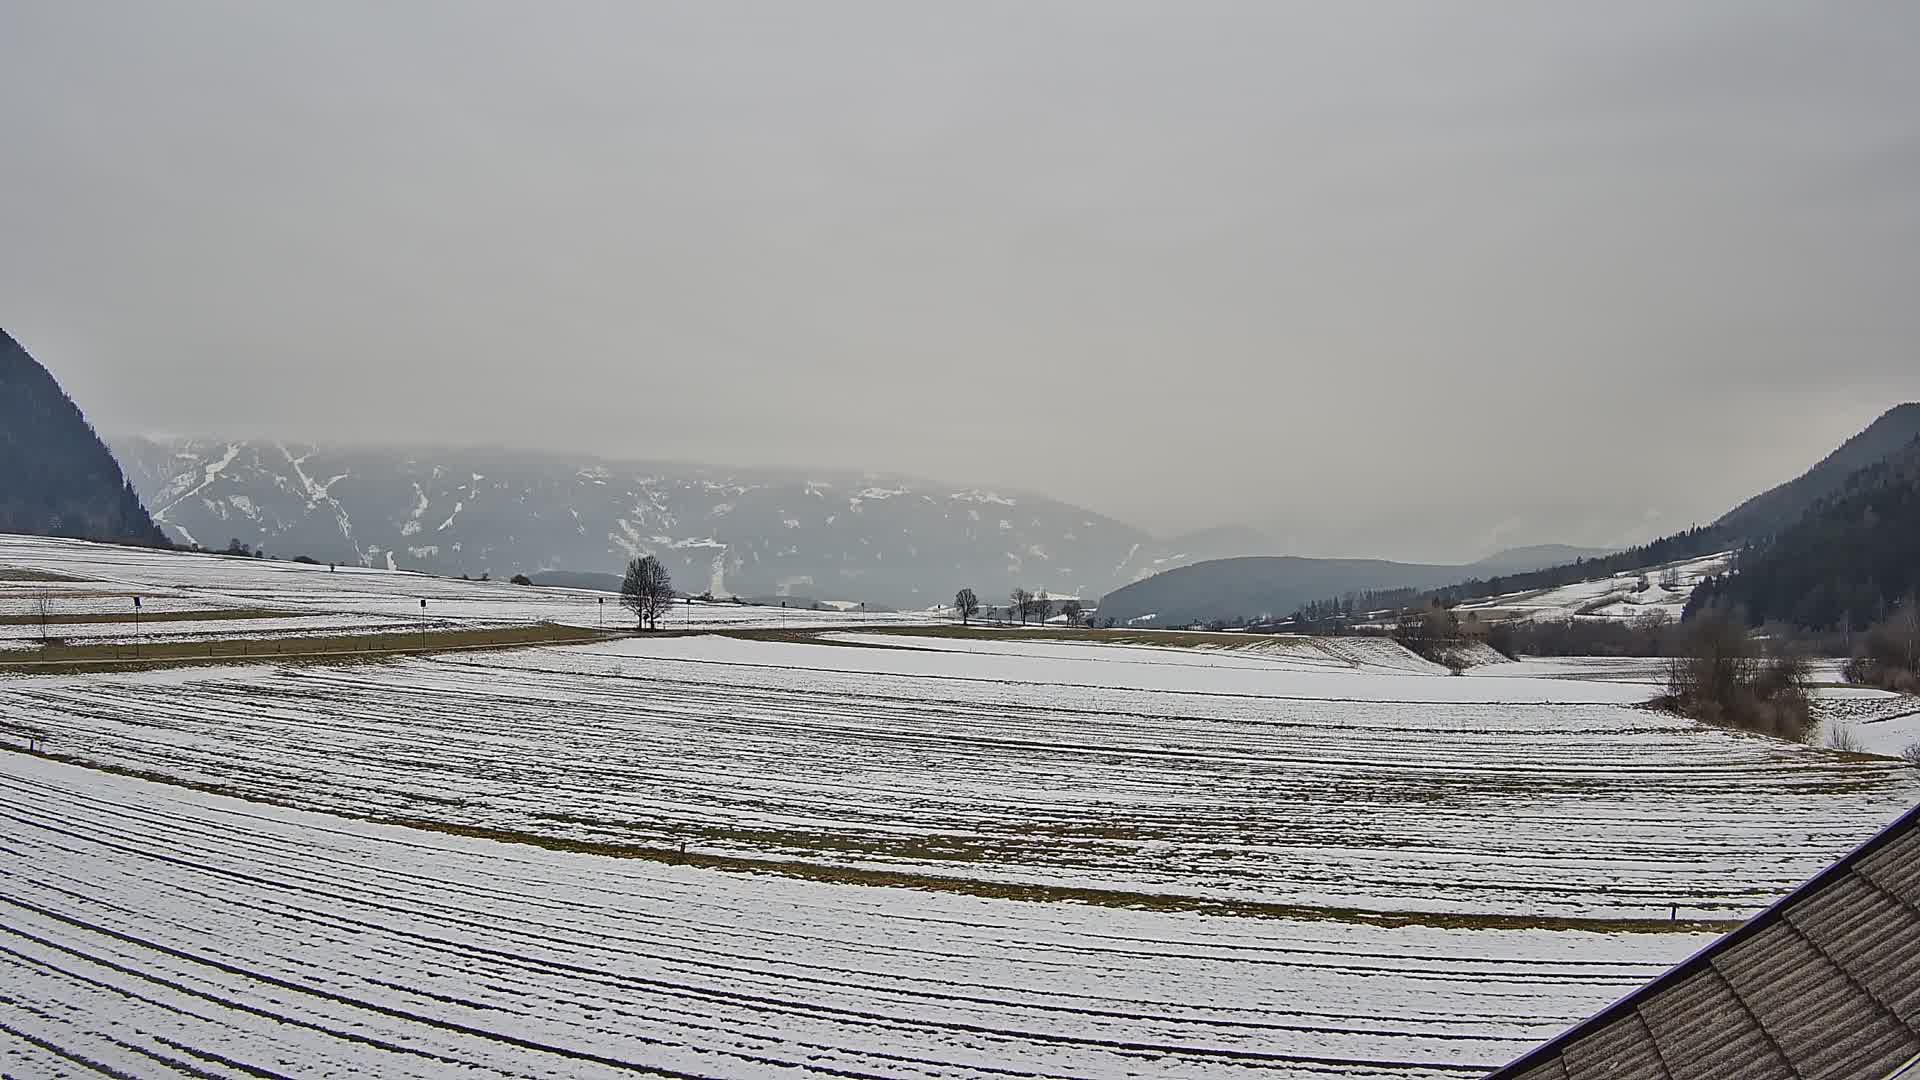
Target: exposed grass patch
point(63, 659)
point(96, 617)
point(1178, 639)
point(24, 573)
point(1060, 894)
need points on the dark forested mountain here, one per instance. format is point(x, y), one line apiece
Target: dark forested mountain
point(1260, 587)
point(1847, 560)
point(892, 540)
point(1775, 509)
point(56, 477)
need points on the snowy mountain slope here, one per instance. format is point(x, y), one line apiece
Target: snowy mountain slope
point(882, 539)
point(1619, 597)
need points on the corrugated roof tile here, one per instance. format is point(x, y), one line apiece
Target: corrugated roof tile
point(1825, 985)
point(1875, 937)
point(1802, 998)
point(1621, 1051)
point(1703, 1031)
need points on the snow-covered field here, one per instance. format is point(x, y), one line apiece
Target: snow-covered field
point(1201, 780)
point(865, 854)
point(111, 576)
point(1861, 717)
point(156, 931)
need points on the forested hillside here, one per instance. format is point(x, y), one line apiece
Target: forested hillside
point(1752, 522)
point(1845, 563)
point(1780, 507)
point(1682, 545)
point(56, 477)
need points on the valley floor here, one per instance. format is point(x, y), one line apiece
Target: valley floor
point(860, 852)
point(153, 931)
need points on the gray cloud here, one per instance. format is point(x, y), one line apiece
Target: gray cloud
point(1399, 279)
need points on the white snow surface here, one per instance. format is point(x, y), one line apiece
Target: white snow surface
point(186, 581)
point(1211, 843)
point(1114, 769)
point(155, 931)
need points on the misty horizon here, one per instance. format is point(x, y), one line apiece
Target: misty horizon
point(1389, 282)
point(529, 453)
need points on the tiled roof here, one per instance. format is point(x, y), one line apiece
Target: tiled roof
point(1826, 983)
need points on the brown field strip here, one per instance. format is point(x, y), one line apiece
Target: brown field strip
point(75, 659)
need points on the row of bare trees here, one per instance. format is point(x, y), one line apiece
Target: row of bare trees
point(1022, 605)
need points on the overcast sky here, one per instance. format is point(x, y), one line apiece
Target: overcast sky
point(1416, 280)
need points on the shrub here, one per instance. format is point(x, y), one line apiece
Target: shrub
point(521, 579)
point(1911, 755)
point(1890, 656)
point(1721, 678)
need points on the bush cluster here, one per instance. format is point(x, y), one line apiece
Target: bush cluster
point(1720, 677)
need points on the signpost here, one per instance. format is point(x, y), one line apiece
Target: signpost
point(423, 622)
point(136, 627)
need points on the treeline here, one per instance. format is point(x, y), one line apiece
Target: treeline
point(1653, 635)
point(1844, 566)
point(1336, 613)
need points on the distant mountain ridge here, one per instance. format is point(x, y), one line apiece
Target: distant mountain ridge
point(894, 540)
point(1522, 559)
point(1259, 587)
point(1252, 588)
point(56, 477)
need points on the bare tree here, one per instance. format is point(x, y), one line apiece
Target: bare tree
point(1903, 632)
point(966, 605)
point(1073, 611)
point(43, 607)
point(1717, 659)
point(1021, 604)
point(647, 591)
